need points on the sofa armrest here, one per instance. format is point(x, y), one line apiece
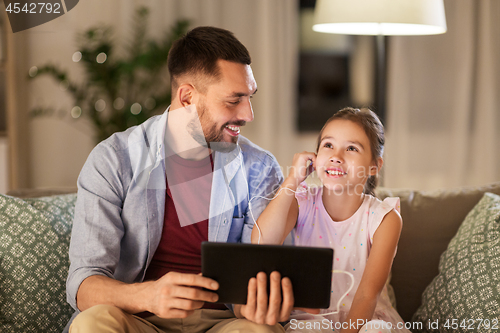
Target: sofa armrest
point(430, 220)
point(40, 192)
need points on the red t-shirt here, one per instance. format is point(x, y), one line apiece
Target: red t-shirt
point(188, 192)
point(185, 225)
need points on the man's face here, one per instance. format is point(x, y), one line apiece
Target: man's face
point(225, 106)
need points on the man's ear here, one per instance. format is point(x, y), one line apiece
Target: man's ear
point(375, 168)
point(185, 93)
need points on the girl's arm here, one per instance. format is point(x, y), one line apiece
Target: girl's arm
point(280, 216)
point(378, 266)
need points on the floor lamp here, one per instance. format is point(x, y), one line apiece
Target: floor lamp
point(380, 18)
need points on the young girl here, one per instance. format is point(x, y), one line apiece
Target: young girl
point(344, 215)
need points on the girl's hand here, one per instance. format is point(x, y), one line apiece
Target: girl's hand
point(301, 167)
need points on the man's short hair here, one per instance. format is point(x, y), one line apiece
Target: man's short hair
point(198, 51)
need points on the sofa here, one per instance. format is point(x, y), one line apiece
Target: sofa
point(35, 231)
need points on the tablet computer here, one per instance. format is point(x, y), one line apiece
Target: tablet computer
point(233, 264)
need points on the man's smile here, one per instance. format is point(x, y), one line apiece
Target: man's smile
point(233, 130)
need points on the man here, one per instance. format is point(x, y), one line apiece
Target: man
point(148, 197)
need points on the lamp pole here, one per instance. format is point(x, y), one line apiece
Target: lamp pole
point(380, 78)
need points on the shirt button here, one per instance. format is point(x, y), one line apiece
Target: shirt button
point(225, 221)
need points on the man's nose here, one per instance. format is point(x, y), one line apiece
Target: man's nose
point(245, 112)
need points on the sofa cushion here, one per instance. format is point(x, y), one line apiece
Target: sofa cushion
point(467, 286)
point(430, 220)
point(34, 242)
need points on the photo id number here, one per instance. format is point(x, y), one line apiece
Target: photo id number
point(472, 324)
point(34, 8)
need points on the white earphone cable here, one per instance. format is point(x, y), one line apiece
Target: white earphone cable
point(343, 296)
point(269, 199)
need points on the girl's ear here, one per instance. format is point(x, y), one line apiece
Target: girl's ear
point(185, 94)
point(375, 167)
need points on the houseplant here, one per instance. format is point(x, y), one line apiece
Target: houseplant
point(119, 90)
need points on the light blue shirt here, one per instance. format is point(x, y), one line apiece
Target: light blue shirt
point(119, 212)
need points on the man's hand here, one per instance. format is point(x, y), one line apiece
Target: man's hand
point(177, 295)
point(262, 310)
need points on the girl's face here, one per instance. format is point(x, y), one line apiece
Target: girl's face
point(344, 160)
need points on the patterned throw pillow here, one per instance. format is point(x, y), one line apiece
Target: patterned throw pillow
point(465, 296)
point(34, 243)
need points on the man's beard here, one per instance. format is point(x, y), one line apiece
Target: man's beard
point(212, 135)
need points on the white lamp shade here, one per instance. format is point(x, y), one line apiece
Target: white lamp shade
point(380, 17)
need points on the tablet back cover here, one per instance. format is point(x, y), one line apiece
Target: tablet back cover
point(233, 264)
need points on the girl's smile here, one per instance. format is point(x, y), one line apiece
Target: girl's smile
point(335, 172)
